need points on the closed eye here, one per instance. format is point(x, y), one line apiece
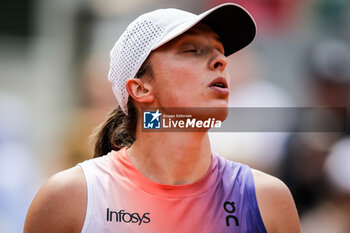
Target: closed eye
point(195, 51)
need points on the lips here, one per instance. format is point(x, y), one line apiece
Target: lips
point(220, 86)
point(219, 82)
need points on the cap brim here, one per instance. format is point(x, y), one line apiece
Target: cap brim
point(233, 24)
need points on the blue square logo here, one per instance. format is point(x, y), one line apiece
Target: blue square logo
point(151, 120)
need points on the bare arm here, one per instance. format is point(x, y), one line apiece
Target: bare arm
point(60, 204)
point(276, 204)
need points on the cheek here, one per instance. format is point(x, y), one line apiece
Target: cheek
point(177, 83)
point(172, 94)
point(187, 78)
point(178, 75)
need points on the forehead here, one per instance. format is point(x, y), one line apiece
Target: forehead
point(200, 29)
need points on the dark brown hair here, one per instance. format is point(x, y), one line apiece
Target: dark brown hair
point(118, 130)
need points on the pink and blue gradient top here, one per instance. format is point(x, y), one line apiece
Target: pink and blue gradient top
point(121, 199)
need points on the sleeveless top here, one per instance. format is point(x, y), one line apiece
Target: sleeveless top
point(121, 200)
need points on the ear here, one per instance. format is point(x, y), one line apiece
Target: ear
point(139, 90)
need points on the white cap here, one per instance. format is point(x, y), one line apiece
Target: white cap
point(234, 25)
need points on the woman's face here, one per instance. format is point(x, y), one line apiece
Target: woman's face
point(190, 71)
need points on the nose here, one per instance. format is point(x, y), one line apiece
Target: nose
point(218, 61)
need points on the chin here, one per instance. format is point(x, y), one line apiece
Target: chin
point(217, 103)
point(217, 108)
point(217, 111)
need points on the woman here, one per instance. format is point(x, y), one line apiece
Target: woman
point(164, 181)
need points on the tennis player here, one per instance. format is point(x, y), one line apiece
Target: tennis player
point(166, 182)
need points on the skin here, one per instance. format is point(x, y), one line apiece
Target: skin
point(192, 60)
point(204, 63)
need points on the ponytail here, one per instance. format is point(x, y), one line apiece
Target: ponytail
point(119, 129)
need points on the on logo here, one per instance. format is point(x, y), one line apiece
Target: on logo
point(151, 120)
point(230, 208)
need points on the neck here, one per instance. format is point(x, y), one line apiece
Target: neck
point(171, 158)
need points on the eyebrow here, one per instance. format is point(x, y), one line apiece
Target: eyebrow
point(192, 32)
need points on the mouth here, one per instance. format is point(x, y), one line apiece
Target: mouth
point(220, 86)
point(219, 82)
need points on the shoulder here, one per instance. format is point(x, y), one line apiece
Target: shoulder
point(276, 204)
point(60, 204)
